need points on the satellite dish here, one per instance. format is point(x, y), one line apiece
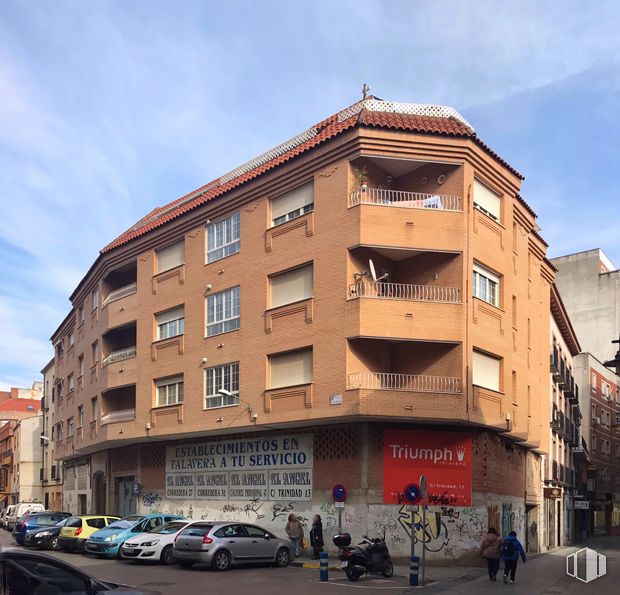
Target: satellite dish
point(373, 272)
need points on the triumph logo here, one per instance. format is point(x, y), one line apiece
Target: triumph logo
point(436, 455)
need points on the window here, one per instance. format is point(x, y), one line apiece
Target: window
point(34, 575)
point(290, 369)
point(486, 200)
point(94, 409)
point(71, 339)
point(222, 377)
point(59, 431)
point(81, 315)
point(486, 285)
point(80, 416)
point(170, 323)
point(593, 389)
point(60, 351)
point(223, 238)
point(169, 391)
point(81, 364)
point(70, 427)
point(486, 371)
point(292, 204)
point(292, 286)
point(170, 257)
point(95, 353)
point(223, 312)
point(71, 382)
point(95, 298)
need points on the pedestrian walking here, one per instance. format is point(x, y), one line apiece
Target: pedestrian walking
point(511, 550)
point(295, 532)
point(316, 536)
point(491, 549)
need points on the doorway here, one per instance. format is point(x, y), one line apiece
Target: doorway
point(99, 493)
point(126, 501)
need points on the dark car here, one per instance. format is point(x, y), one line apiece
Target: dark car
point(45, 538)
point(30, 572)
point(35, 521)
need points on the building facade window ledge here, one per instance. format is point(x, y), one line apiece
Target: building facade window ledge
point(301, 393)
point(166, 411)
point(177, 341)
point(305, 221)
point(175, 273)
point(306, 307)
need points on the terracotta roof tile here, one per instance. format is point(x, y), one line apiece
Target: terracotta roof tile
point(355, 115)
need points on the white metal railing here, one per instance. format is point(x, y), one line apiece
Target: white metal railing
point(120, 293)
point(119, 356)
point(406, 382)
point(115, 417)
point(400, 198)
point(405, 291)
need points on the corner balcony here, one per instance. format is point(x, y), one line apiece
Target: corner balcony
point(119, 368)
point(405, 291)
point(407, 200)
point(119, 294)
point(119, 356)
point(120, 302)
point(417, 396)
point(120, 416)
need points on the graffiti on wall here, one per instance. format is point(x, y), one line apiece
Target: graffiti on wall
point(152, 501)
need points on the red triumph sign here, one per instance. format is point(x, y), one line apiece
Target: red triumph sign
point(443, 457)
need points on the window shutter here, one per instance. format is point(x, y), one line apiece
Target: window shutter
point(173, 314)
point(290, 369)
point(485, 198)
point(291, 286)
point(170, 257)
point(486, 371)
point(294, 199)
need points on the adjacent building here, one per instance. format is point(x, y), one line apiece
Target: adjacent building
point(26, 475)
point(363, 304)
point(51, 477)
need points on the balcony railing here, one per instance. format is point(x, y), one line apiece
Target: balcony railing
point(404, 382)
point(555, 364)
point(120, 293)
point(405, 291)
point(119, 356)
point(115, 417)
point(409, 200)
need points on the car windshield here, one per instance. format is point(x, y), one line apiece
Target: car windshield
point(168, 528)
point(127, 523)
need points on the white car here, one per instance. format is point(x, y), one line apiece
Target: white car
point(154, 545)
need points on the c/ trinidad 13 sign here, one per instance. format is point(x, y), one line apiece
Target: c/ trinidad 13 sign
point(443, 457)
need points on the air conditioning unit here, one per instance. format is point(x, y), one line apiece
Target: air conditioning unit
point(597, 420)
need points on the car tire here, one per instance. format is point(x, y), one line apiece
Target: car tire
point(187, 564)
point(167, 556)
point(283, 557)
point(221, 560)
point(54, 544)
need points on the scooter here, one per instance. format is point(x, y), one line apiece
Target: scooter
point(374, 558)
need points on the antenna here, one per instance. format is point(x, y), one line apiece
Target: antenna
point(373, 272)
point(365, 89)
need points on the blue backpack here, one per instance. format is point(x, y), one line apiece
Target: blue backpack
point(509, 548)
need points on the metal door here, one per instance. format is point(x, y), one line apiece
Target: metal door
point(126, 501)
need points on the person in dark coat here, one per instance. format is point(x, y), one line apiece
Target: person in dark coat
point(316, 536)
point(491, 550)
point(511, 550)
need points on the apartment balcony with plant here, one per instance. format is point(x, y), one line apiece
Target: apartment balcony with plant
point(405, 197)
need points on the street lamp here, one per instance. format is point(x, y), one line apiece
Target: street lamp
point(227, 393)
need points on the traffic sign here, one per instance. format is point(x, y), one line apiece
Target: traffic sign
point(339, 493)
point(412, 493)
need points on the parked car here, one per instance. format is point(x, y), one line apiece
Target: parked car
point(46, 538)
point(154, 545)
point(35, 521)
point(78, 529)
point(221, 544)
point(6, 513)
point(108, 541)
point(32, 572)
point(20, 510)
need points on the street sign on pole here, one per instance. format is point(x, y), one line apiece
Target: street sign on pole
point(412, 493)
point(423, 497)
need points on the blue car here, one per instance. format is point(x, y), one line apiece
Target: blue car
point(108, 541)
point(33, 522)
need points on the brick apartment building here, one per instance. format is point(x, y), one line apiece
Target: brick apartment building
point(366, 302)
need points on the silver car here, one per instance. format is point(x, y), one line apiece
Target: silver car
point(221, 544)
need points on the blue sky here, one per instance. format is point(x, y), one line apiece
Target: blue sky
point(110, 108)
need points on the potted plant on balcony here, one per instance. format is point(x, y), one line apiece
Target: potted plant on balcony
point(360, 174)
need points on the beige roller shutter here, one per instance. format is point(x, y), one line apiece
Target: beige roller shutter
point(170, 257)
point(486, 371)
point(292, 286)
point(290, 369)
point(487, 200)
point(292, 200)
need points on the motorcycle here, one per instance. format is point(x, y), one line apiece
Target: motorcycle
point(374, 558)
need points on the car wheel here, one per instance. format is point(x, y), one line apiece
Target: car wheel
point(221, 560)
point(283, 557)
point(167, 556)
point(187, 564)
point(55, 544)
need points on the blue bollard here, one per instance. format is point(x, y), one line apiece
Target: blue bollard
point(323, 561)
point(414, 569)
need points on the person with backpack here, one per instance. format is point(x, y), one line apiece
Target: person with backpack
point(511, 550)
point(491, 550)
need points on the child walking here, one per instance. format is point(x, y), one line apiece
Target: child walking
point(511, 550)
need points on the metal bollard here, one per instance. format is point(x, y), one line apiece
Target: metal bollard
point(324, 567)
point(414, 568)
